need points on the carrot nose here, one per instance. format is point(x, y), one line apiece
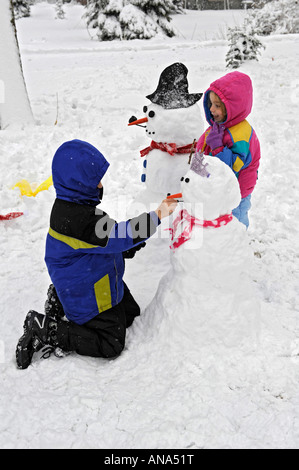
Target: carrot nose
point(139, 121)
point(175, 196)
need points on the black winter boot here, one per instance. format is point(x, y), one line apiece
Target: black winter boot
point(53, 306)
point(39, 330)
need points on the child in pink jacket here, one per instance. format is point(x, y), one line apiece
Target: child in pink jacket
point(230, 137)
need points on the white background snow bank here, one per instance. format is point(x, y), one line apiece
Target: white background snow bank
point(147, 398)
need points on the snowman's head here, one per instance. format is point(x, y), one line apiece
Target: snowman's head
point(173, 115)
point(180, 126)
point(211, 191)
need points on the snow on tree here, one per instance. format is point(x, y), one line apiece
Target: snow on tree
point(14, 102)
point(93, 9)
point(178, 6)
point(272, 17)
point(275, 17)
point(60, 13)
point(243, 45)
point(21, 8)
point(129, 19)
point(109, 27)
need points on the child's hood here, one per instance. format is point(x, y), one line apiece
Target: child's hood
point(235, 91)
point(77, 169)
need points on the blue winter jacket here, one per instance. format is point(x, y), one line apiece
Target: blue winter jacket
point(84, 246)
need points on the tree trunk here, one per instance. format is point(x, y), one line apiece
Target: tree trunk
point(14, 102)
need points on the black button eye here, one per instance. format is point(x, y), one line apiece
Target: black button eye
point(187, 180)
point(144, 109)
point(151, 113)
point(182, 178)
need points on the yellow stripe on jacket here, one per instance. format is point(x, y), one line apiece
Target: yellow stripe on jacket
point(70, 241)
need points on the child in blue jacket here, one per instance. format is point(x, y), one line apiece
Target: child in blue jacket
point(85, 251)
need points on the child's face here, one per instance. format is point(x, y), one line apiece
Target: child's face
point(217, 108)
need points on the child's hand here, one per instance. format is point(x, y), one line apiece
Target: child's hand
point(215, 137)
point(166, 208)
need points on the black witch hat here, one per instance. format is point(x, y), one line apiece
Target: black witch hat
point(172, 91)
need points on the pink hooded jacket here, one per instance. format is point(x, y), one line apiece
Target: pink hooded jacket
point(241, 148)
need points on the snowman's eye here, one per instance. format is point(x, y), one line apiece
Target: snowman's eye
point(151, 114)
point(187, 180)
point(182, 178)
point(144, 109)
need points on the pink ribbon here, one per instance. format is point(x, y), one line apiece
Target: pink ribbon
point(184, 216)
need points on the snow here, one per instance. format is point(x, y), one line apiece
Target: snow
point(159, 394)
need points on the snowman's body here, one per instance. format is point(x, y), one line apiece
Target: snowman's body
point(163, 169)
point(173, 122)
point(207, 296)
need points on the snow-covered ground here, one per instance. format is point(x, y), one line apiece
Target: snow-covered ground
point(151, 396)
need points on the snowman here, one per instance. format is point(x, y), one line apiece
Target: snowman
point(173, 122)
point(206, 302)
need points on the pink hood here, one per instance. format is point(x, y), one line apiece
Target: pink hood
point(235, 91)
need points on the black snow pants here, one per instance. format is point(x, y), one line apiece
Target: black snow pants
point(103, 335)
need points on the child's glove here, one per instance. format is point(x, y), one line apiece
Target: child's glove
point(129, 254)
point(215, 137)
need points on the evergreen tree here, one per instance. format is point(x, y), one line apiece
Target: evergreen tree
point(93, 9)
point(267, 17)
point(259, 3)
point(21, 8)
point(161, 8)
point(177, 6)
point(275, 17)
point(129, 19)
point(243, 46)
point(109, 22)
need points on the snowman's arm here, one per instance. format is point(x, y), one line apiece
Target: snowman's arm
point(201, 143)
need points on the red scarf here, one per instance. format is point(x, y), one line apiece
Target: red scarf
point(184, 216)
point(169, 148)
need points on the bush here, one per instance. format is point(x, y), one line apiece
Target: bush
point(21, 8)
point(130, 19)
point(243, 45)
point(276, 17)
